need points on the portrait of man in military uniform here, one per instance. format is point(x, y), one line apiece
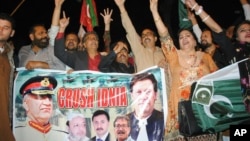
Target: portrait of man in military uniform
point(37, 93)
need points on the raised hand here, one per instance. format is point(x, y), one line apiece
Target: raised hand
point(190, 3)
point(118, 47)
point(107, 15)
point(59, 2)
point(64, 22)
point(119, 3)
point(153, 5)
point(190, 14)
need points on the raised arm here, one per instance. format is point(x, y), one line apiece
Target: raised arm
point(209, 21)
point(162, 29)
point(59, 49)
point(120, 4)
point(195, 25)
point(246, 9)
point(218, 35)
point(107, 20)
point(133, 38)
point(64, 22)
point(106, 62)
point(56, 12)
point(55, 21)
point(167, 43)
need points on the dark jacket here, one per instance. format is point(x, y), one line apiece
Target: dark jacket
point(243, 52)
point(226, 51)
point(77, 60)
point(109, 64)
point(155, 126)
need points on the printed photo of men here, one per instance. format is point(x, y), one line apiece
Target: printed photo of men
point(37, 93)
point(147, 123)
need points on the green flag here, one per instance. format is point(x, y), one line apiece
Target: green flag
point(184, 22)
point(217, 100)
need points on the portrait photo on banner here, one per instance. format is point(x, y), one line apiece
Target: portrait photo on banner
point(87, 105)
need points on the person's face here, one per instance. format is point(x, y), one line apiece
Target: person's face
point(71, 42)
point(40, 37)
point(206, 38)
point(39, 107)
point(91, 42)
point(243, 33)
point(100, 124)
point(143, 96)
point(80, 46)
point(230, 31)
point(77, 128)
point(122, 129)
point(6, 30)
point(122, 56)
point(186, 40)
point(148, 38)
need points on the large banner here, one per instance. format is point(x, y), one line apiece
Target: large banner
point(52, 105)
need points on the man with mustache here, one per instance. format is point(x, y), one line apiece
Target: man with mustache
point(88, 59)
point(37, 96)
point(100, 120)
point(144, 48)
point(147, 123)
point(118, 59)
point(122, 128)
point(40, 53)
point(71, 45)
point(215, 50)
point(146, 53)
point(71, 42)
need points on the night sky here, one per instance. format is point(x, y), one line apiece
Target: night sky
point(40, 11)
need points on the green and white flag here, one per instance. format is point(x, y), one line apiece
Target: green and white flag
point(217, 100)
point(184, 22)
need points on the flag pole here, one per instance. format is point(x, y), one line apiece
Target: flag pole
point(17, 7)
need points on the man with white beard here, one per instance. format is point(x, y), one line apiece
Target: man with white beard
point(76, 126)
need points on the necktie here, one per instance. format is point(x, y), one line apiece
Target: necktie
point(99, 139)
point(142, 136)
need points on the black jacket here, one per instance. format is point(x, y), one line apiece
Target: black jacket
point(77, 60)
point(109, 64)
point(155, 126)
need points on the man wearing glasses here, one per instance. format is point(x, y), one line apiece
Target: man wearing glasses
point(122, 128)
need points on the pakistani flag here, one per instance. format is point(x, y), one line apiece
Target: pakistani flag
point(184, 22)
point(217, 100)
